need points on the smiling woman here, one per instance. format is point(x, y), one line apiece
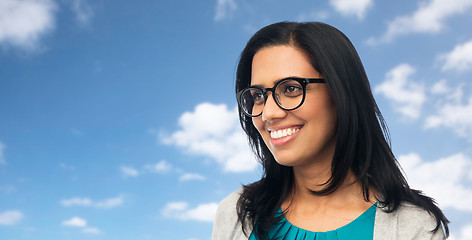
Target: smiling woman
point(306, 106)
point(313, 123)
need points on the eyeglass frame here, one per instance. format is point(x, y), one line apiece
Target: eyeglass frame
point(303, 82)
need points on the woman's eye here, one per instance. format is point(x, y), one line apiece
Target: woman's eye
point(258, 96)
point(290, 90)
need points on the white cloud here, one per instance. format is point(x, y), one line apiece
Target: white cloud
point(459, 59)
point(406, 95)
point(224, 9)
point(191, 176)
point(203, 212)
point(129, 171)
point(446, 93)
point(452, 110)
point(75, 222)
point(24, 22)
point(10, 217)
point(87, 202)
point(214, 131)
point(443, 179)
point(174, 207)
point(80, 223)
point(456, 116)
point(160, 167)
point(464, 234)
point(91, 230)
point(83, 11)
point(76, 202)
point(357, 8)
point(428, 18)
point(110, 203)
point(441, 87)
point(2, 159)
point(180, 210)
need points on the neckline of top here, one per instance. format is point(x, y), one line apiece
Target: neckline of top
point(366, 214)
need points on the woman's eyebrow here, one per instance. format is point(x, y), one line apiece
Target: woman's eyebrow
point(275, 81)
point(257, 85)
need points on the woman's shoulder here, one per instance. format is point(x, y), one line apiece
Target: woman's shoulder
point(226, 224)
point(228, 204)
point(408, 221)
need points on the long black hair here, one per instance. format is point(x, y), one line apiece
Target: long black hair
point(362, 138)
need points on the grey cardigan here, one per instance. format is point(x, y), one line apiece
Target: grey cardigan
point(406, 223)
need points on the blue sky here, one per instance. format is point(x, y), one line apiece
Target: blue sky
point(118, 119)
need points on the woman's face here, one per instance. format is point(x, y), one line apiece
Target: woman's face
point(313, 124)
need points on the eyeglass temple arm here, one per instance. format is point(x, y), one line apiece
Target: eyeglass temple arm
point(315, 80)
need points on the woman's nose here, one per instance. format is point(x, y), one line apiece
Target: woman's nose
point(271, 110)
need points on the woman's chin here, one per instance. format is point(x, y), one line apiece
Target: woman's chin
point(288, 162)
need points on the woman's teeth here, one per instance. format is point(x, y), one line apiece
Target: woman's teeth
point(283, 133)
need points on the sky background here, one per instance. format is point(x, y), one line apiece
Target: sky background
point(118, 119)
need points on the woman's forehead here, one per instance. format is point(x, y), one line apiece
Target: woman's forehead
point(270, 64)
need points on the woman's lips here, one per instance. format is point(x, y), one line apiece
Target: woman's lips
point(283, 133)
point(282, 136)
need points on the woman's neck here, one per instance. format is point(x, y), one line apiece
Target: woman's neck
point(321, 213)
point(316, 179)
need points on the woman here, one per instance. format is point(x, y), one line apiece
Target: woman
point(306, 106)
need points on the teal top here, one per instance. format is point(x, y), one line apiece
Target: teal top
point(361, 228)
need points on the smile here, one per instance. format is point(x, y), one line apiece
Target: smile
point(283, 133)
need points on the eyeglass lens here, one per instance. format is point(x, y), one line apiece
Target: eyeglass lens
point(288, 95)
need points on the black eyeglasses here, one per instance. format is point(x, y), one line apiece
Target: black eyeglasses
point(288, 93)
